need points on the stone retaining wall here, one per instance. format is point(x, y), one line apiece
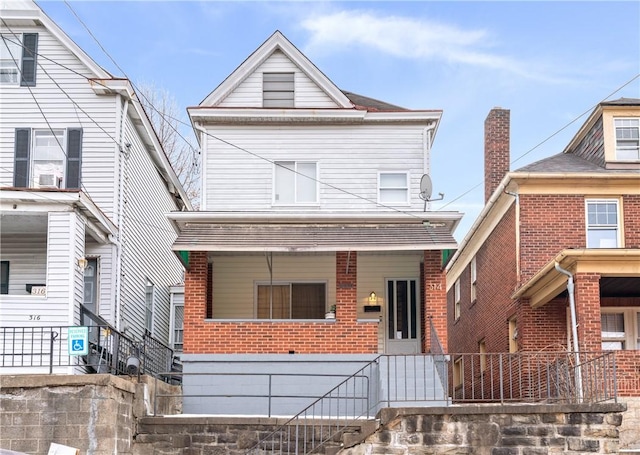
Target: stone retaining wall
point(94, 413)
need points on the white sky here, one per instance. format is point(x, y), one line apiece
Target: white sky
point(548, 62)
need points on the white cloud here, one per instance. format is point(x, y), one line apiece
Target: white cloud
point(411, 38)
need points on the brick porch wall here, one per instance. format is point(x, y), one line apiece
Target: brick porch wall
point(435, 298)
point(344, 335)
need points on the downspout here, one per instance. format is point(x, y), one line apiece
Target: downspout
point(203, 163)
point(574, 327)
point(426, 146)
point(122, 157)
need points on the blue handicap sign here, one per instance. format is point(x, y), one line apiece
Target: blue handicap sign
point(78, 340)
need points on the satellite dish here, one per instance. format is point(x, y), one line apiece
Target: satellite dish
point(426, 187)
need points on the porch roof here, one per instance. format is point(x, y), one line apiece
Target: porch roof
point(255, 237)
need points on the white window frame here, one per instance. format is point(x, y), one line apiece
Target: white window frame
point(10, 59)
point(513, 335)
point(458, 372)
point(286, 102)
point(456, 300)
point(172, 323)
point(58, 179)
point(405, 187)
point(149, 305)
point(281, 165)
point(631, 338)
point(474, 279)
point(595, 227)
point(627, 123)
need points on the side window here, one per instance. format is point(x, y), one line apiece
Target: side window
point(456, 299)
point(393, 187)
point(474, 279)
point(149, 300)
point(513, 335)
point(296, 182)
point(603, 224)
point(4, 277)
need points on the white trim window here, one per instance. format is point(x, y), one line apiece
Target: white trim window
point(603, 223)
point(278, 90)
point(149, 303)
point(18, 59)
point(177, 326)
point(620, 328)
point(393, 187)
point(627, 139)
point(474, 279)
point(456, 300)
point(295, 182)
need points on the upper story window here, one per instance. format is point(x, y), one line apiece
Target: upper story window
point(627, 139)
point(474, 279)
point(296, 182)
point(47, 158)
point(278, 90)
point(4, 277)
point(291, 301)
point(149, 303)
point(603, 224)
point(18, 59)
point(456, 299)
point(393, 187)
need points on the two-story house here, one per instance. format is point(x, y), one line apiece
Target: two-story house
point(85, 185)
point(553, 261)
point(311, 202)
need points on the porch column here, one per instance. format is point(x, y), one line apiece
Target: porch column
point(435, 298)
point(195, 298)
point(587, 295)
point(346, 286)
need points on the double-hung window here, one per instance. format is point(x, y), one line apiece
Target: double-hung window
point(149, 303)
point(47, 158)
point(627, 139)
point(474, 279)
point(278, 89)
point(18, 59)
point(456, 300)
point(603, 223)
point(296, 182)
point(393, 187)
point(291, 300)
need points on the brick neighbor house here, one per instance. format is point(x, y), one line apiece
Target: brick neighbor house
point(310, 201)
point(579, 209)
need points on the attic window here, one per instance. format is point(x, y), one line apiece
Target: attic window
point(277, 90)
point(627, 139)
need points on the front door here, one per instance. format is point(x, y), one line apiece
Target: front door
point(403, 317)
point(90, 300)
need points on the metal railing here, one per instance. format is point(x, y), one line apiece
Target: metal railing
point(550, 377)
point(46, 348)
point(440, 359)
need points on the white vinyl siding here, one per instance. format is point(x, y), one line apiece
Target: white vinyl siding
point(249, 92)
point(235, 279)
point(627, 139)
point(96, 115)
point(603, 223)
point(28, 260)
point(349, 158)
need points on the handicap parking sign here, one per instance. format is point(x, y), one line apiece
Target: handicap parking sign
point(78, 340)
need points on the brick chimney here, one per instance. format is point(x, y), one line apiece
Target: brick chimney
point(496, 149)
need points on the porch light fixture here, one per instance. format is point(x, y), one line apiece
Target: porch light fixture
point(373, 298)
point(83, 263)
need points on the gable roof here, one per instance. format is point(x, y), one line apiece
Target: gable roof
point(275, 42)
point(371, 104)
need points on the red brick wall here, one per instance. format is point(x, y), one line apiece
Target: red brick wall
point(587, 296)
point(631, 207)
point(543, 328)
point(342, 336)
point(435, 298)
point(628, 373)
point(496, 278)
point(496, 149)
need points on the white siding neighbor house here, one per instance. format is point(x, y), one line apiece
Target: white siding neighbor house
point(85, 186)
point(314, 242)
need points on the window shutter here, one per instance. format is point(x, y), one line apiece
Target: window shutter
point(21, 163)
point(74, 157)
point(29, 51)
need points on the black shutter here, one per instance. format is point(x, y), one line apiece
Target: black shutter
point(74, 157)
point(21, 163)
point(29, 51)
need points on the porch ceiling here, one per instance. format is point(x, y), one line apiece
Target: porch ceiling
point(313, 237)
